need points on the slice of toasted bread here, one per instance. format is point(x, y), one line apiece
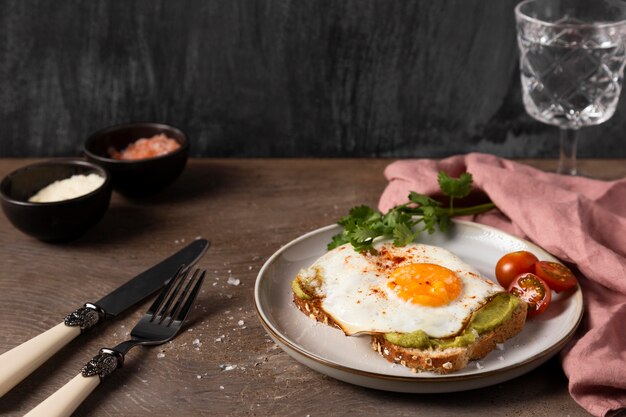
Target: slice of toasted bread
point(441, 361)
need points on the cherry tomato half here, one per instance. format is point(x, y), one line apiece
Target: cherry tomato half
point(557, 276)
point(532, 289)
point(512, 264)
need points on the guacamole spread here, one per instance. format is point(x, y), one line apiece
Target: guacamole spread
point(298, 291)
point(494, 313)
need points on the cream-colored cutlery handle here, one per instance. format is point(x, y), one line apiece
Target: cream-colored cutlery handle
point(67, 399)
point(19, 362)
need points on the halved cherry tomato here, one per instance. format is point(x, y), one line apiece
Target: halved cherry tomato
point(512, 264)
point(557, 276)
point(532, 289)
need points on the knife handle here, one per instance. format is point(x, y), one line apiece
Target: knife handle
point(67, 398)
point(19, 362)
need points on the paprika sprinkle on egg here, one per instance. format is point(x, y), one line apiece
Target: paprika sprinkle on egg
point(145, 148)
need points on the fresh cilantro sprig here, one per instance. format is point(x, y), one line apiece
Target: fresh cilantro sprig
point(455, 188)
point(405, 222)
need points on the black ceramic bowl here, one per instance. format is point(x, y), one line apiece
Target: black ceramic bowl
point(138, 177)
point(58, 221)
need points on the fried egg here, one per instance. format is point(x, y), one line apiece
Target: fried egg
point(398, 289)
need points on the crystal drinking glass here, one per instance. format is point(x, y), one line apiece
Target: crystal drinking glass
point(572, 56)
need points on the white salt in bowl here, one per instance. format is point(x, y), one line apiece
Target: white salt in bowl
point(57, 221)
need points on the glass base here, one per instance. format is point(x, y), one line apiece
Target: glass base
point(567, 155)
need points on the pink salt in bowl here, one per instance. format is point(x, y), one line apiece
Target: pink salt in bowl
point(138, 177)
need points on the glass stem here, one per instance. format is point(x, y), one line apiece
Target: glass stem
point(567, 157)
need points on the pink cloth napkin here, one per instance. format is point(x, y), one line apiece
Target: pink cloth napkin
point(579, 220)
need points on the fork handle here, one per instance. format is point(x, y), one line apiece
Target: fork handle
point(71, 395)
point(19, 362)
point(67, 399)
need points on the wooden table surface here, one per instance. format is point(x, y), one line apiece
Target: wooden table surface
point(248, 208)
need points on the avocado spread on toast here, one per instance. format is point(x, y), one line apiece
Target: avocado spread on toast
point(493, 314)
point(297, 290)
point(497, 311)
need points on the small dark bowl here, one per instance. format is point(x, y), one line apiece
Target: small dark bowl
point(140, 177)
point(57, 221)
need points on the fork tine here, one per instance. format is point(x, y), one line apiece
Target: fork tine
point(155, 305)
point(190, 300)
point(180, 279)
point(179, 301)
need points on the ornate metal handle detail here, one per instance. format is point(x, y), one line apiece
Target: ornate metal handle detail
point(85, 317)
point(103, 364)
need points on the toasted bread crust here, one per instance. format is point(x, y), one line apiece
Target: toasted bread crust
point(441, 361)
point(313, 309)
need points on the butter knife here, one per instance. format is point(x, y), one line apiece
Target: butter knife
point(19, 362)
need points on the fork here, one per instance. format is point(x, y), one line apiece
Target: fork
point(159, 324)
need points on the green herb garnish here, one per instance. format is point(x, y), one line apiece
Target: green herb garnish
point(405, 222)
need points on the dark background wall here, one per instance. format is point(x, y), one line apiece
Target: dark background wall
point(275, 77)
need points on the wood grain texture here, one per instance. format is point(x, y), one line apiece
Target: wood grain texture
point(248, 208)
point(275, 77)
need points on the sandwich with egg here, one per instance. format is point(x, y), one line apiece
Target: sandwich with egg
point(423, 307)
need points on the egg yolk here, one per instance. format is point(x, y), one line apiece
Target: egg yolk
point(425, 284)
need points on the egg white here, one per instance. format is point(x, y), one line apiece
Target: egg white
point(354, 292)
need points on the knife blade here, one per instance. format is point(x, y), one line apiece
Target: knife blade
point(19, 362)
point(151, 280)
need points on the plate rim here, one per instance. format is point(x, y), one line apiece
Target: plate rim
point(438, 379)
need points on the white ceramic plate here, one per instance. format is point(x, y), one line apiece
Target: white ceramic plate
point(350, 359)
